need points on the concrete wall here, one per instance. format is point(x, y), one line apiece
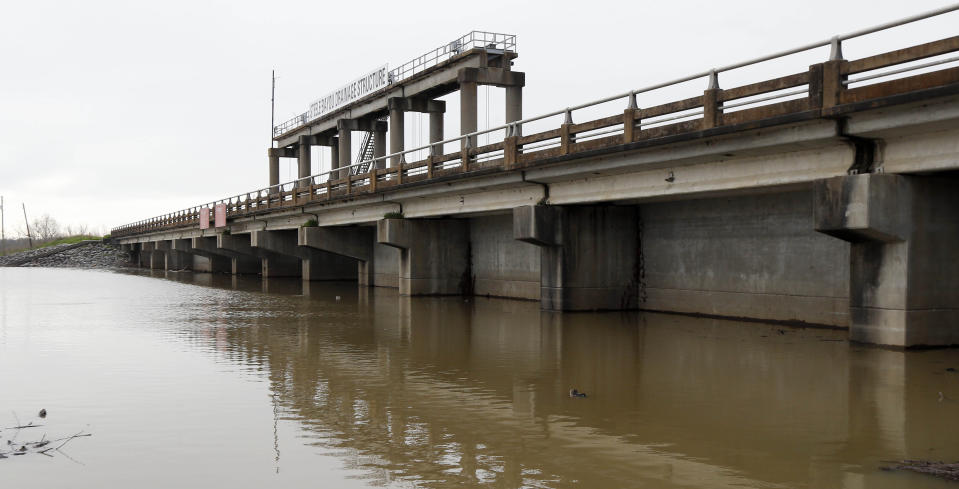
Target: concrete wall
point(501, 265)
point(386, 266)
point(754, 256)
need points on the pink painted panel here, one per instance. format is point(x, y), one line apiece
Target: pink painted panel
point(204, 218)
point(219, 215)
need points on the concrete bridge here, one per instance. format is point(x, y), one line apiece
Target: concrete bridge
point(824, 197)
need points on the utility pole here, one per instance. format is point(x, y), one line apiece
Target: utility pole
point(3, 234)
point(272, 106)
point(25, 221)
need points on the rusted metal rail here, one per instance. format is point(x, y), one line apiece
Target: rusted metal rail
point(828, 89)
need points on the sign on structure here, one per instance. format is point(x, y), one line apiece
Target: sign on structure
point(219, 215)
point(204, 218)
point(356, 90)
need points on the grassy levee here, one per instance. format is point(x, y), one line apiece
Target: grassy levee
point(9, 250)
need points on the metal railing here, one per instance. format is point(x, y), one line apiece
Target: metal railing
point(491, 41)
point(756, 101)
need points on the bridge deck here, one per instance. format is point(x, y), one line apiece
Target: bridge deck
point(830, 90)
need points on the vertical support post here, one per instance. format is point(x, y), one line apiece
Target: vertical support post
point(510, 148)
point(274, 156)
point(379, 148)
point(514, 108)
point(396, 131)
point(345, 152)
point(334, 155)
point(712, 114)
point(629, 120)
point(815, 86)
point(302, 160)
point(832, 87)
point(436, 132)
point(565, 139)
point(468, 115)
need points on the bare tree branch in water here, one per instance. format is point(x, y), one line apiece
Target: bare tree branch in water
point(10, 447)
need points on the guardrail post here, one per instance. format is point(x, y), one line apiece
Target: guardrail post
point(712, 114)
point(465, 154)
point(372, 176)
point(399, 169)
point(429, 165)
point(510, 148)
point(832, 87)
point(629, 119)
point(329, 186)
point(815, 86)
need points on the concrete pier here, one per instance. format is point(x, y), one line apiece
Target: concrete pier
point(240, 264)
point(283, 256)
point(903, 273)
point(590, 255)
point(354, 243)
point(434, 255)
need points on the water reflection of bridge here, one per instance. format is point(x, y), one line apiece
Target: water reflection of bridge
point(475, 392)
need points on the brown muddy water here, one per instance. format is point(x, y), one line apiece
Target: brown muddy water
point(207, 381)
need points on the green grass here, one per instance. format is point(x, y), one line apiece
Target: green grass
point(67, 240)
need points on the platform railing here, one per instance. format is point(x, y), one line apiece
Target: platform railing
point(490, 41)
point(820, 91)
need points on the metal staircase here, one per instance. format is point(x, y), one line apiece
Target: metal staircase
point(365, 154)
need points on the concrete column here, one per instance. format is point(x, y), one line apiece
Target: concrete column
point(903, 272)
point(354, 243)
point(379, 147)
point(303, 160)
point(396, 134)
point(240, 263)
point(589, 255)
point(157, 260)
point(175, 257)
point(434, 255)
point(436, 131)
point(274, 156)
point(334, 154)
point(514, 106)
point(214, 263)
point(468, 114)
point(281, 251)
point(345, 152)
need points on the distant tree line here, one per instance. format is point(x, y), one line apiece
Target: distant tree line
point(43, 229)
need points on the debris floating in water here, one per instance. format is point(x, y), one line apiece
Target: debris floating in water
point(10, 446)
point(948, 471)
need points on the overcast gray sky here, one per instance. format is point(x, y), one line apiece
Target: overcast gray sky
point(113, 111)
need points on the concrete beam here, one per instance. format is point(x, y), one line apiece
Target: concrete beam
point(903, 275)
point(497, 77)
point(413, 104)
point(589, 255)
point(368, 125)
point(434, 255)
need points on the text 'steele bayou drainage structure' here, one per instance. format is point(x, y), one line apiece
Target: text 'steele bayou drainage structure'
point(825, 197)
